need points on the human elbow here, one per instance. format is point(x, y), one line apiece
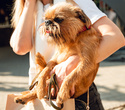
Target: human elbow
point(18, 51)
point(121, 39)
point(21, 50)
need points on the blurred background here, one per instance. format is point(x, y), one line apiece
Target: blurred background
point(110, 78)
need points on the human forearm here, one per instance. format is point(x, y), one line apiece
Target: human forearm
point(21, 39)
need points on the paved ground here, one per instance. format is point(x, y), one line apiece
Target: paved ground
point(110, 79)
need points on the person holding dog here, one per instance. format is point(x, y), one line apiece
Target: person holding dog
point(25, 38)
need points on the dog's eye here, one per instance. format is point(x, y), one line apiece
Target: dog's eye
point(58, 20)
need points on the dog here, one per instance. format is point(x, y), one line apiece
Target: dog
point(70, 30)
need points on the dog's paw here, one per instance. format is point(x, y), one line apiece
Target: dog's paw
point(19, 100)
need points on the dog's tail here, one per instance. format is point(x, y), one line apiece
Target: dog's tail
point(40, 61)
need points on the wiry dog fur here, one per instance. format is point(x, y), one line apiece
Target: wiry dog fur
point(64, 28)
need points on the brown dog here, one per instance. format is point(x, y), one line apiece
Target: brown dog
point(67, 27)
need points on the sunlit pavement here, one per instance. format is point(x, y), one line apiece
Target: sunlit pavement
point(110, 79)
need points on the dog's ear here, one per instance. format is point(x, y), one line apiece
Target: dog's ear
point(83, 17)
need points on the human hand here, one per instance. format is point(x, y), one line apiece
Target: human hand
point(63, 69)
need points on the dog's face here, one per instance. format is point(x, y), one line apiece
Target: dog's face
point(63, 22)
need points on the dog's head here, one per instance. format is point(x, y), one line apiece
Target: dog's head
point(63, 22)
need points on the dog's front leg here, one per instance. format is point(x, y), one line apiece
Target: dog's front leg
point(41, 87)
point(78, 77)
point(65, 89)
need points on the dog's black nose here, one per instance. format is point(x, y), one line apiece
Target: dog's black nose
point(48, 22)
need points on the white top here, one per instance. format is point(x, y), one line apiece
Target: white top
point(41, 45)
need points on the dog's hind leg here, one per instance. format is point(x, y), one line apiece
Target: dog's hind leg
point(44, 75)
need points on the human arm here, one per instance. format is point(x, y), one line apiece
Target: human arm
point(21, 39)
point(113, 39)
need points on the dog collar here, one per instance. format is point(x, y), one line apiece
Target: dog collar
point(84, 29)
